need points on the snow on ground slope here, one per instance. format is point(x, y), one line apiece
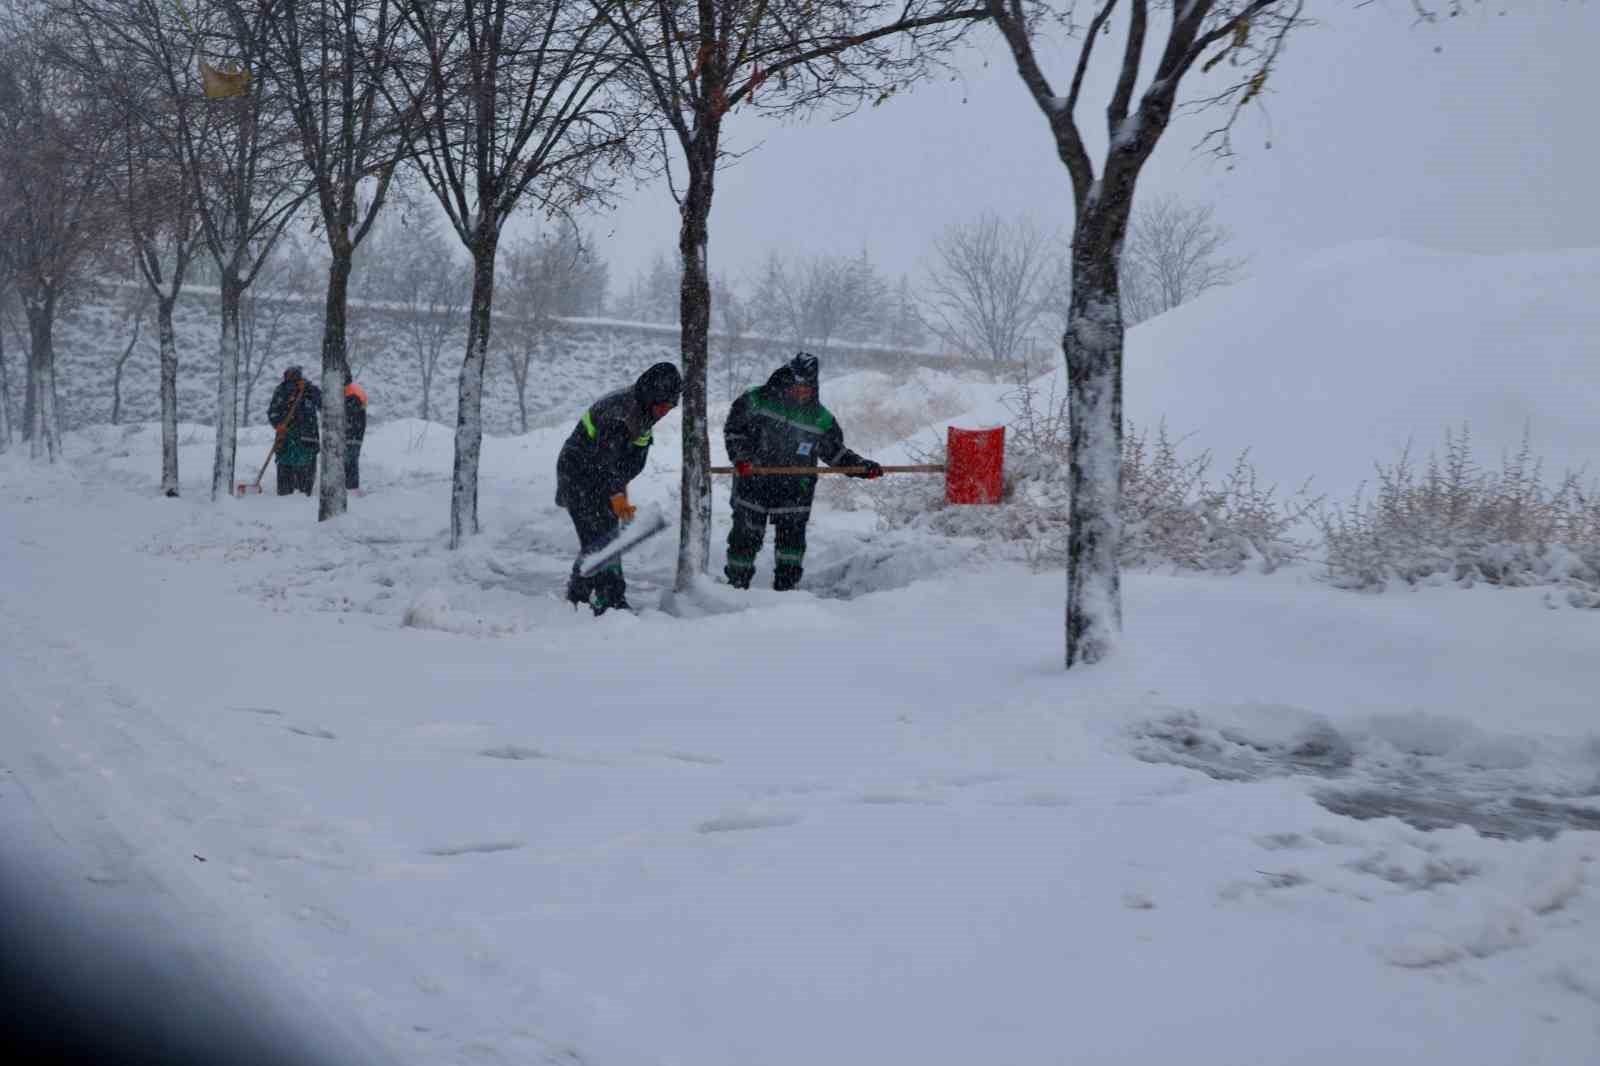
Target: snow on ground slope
point(446, 817)
point(1323, 369)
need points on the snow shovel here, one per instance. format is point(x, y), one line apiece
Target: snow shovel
point(646, 524)
point(253, 488)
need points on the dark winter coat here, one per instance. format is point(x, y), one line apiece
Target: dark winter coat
point(355, 414)
point(301, 438)
point(765, 429)
point(608, 447)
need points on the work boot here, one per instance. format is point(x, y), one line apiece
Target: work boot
point(601, 605)
point(786, 577)
point(739, 579)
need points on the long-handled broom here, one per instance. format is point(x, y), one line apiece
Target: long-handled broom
point(253, 488)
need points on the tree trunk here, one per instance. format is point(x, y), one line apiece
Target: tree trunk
point(30, 393)
point(424, 407)
point(116, 378)
point(5, 396)
point(469, 413)
point(43, 431)
point(56, 423)
point(334, 499)
point(522, 390)
point(227, 449)
point(694, 317)
point(1093, 348)
point(169, 395)
point(116, 393)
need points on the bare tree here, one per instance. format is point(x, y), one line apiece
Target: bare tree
point(986, 283)
point(903, 325)
point(163, 229)
point(8, 299)
point(6, 432)
point(287, 276)
point(521, 107)
point(546, 277)
point(136, 310)
point(820, 299)
point(1173, 253)
point(652, 296)
point(738, 320)
point(698, 61)
point(234, 156)
point(336, 62)
point(54, 138)
point(156, 201)
point(1251, 33)
point(414, 269)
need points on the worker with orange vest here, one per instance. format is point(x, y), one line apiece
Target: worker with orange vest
point(355, 431)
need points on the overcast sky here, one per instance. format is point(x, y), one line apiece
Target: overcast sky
point(1478, 134)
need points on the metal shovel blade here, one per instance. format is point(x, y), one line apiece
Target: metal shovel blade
point(645, 525)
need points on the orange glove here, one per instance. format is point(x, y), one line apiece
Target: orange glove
point(622, 508)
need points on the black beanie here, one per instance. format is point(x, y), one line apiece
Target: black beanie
point(660, 384)
point(804, 369)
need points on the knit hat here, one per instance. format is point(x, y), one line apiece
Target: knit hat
point(804, 369)
point(660, 384)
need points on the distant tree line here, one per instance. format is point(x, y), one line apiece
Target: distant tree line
point(990, 288)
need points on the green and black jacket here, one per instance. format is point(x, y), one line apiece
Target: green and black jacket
point(296, 402)
point(763, 428)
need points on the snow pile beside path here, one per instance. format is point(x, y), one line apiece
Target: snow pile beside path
point(1249, 741)
point(901, 415)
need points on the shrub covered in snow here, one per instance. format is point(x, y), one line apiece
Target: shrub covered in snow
point(1455, 521)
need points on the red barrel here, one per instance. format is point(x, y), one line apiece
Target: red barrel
point(975, 471)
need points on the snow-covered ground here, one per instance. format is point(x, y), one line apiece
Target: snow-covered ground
point(413, 803)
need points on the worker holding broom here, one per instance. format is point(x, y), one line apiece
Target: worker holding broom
point(781, 424)
point(293, 413)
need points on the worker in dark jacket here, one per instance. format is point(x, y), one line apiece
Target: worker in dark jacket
point(293, 413)
point(607, 449)
point(781, 423)
point(355, 431)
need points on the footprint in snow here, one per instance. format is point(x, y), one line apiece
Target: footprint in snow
point(326, 918)
point(732, 823)
point(311, 731)
point(523, 753)
point(972, 780)
point(683, 756)
point(450, 850)
point(1042, 799)
point(889, 799)
point(515, 753)
point(258, 710)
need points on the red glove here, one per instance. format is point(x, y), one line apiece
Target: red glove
point(873, 470)
point(744, 468)
point(622, 508)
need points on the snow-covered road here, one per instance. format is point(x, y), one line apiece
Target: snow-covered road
point(789, 829)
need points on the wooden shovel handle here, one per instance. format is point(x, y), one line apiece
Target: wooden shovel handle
point(767, 471)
